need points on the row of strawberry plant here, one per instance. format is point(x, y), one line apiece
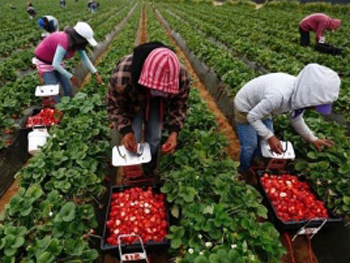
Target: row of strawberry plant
point(337, 157)
point(267, 37)
point(219, 213)
point(17, 96)
point(50, 218)
point(11, 66)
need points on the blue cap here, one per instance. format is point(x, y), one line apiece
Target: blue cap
point(41, 22)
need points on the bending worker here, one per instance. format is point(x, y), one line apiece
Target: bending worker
point(61, 46)
point(48, 23)
point(144, 87)
point(316, 87)
point(317, 23)
point(30, 10)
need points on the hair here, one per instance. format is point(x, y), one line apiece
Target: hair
point(75, 40)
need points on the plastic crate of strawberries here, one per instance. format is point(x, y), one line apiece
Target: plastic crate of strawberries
point(292, 202)
point(46, 117)
point(140, 211)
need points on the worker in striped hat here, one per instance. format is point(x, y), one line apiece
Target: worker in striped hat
point(148, 88)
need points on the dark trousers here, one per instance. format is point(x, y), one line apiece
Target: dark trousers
point(304, 37)
point(152, 131)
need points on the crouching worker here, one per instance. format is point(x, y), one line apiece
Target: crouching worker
point(30, 10)
point(49, 24)
point(60, 46)
point(317, 23)
point(316, 87)
point(147, 88)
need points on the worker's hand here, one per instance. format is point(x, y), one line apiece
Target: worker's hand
point(98, 78)
point(275, 145)
point(74, 81)
point(129, 142)
point(170, 145)
point(322, 40)
point(322, 142)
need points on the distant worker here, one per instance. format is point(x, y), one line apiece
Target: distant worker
point(48, 23)
point(60, 46)
point(30, 10)
point(63, 3)
point(93, 6)
point(317, 23)
point(315, 88)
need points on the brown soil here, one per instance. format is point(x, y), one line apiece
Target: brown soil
point(11, 191)
point(142, 35)
point(300, 251)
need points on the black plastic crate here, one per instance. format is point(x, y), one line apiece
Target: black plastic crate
point(150, 246)
point(294, 225)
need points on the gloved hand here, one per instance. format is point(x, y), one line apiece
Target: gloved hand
point(322, 40)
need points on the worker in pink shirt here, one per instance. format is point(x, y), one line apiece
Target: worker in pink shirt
point(317, 23)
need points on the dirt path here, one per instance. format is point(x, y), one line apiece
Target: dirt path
point(11, 191)
point(142, 35)
point(225, 127)
point(300, 245)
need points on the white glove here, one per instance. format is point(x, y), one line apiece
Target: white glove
point(322, 40)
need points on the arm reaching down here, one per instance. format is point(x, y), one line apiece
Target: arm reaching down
point(262, 110)
point(57, 62)
point(301, 128)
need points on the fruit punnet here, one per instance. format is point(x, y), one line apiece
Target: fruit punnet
point(292, 199)
point(139, 212)
point(47, 117)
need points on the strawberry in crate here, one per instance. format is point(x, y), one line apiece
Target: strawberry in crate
point(46, 117)
point(293, 199)
point(139, 212)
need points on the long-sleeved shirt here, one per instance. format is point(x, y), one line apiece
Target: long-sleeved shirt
point(53, 50)
point(52, 25)
point(124, 100)
point(317, 23)
point(278, 93)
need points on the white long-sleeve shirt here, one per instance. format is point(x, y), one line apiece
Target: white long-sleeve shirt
point(278, 93)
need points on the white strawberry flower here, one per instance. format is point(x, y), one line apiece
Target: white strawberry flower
point(208, 244)
point(200, 236)
point(233, 246)
point(50, 214)
point(191, 251)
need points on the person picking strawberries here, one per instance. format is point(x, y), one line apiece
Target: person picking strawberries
point(317, 23)
point(316, 87)
point(148, 88)
point(61, 46)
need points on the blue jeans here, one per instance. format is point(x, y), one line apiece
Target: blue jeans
point(54, 77)
point(153, 131)
point(249, 143)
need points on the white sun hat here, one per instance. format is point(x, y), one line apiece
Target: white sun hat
point(86, 32)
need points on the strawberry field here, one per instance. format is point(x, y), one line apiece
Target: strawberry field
point(62, 203)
